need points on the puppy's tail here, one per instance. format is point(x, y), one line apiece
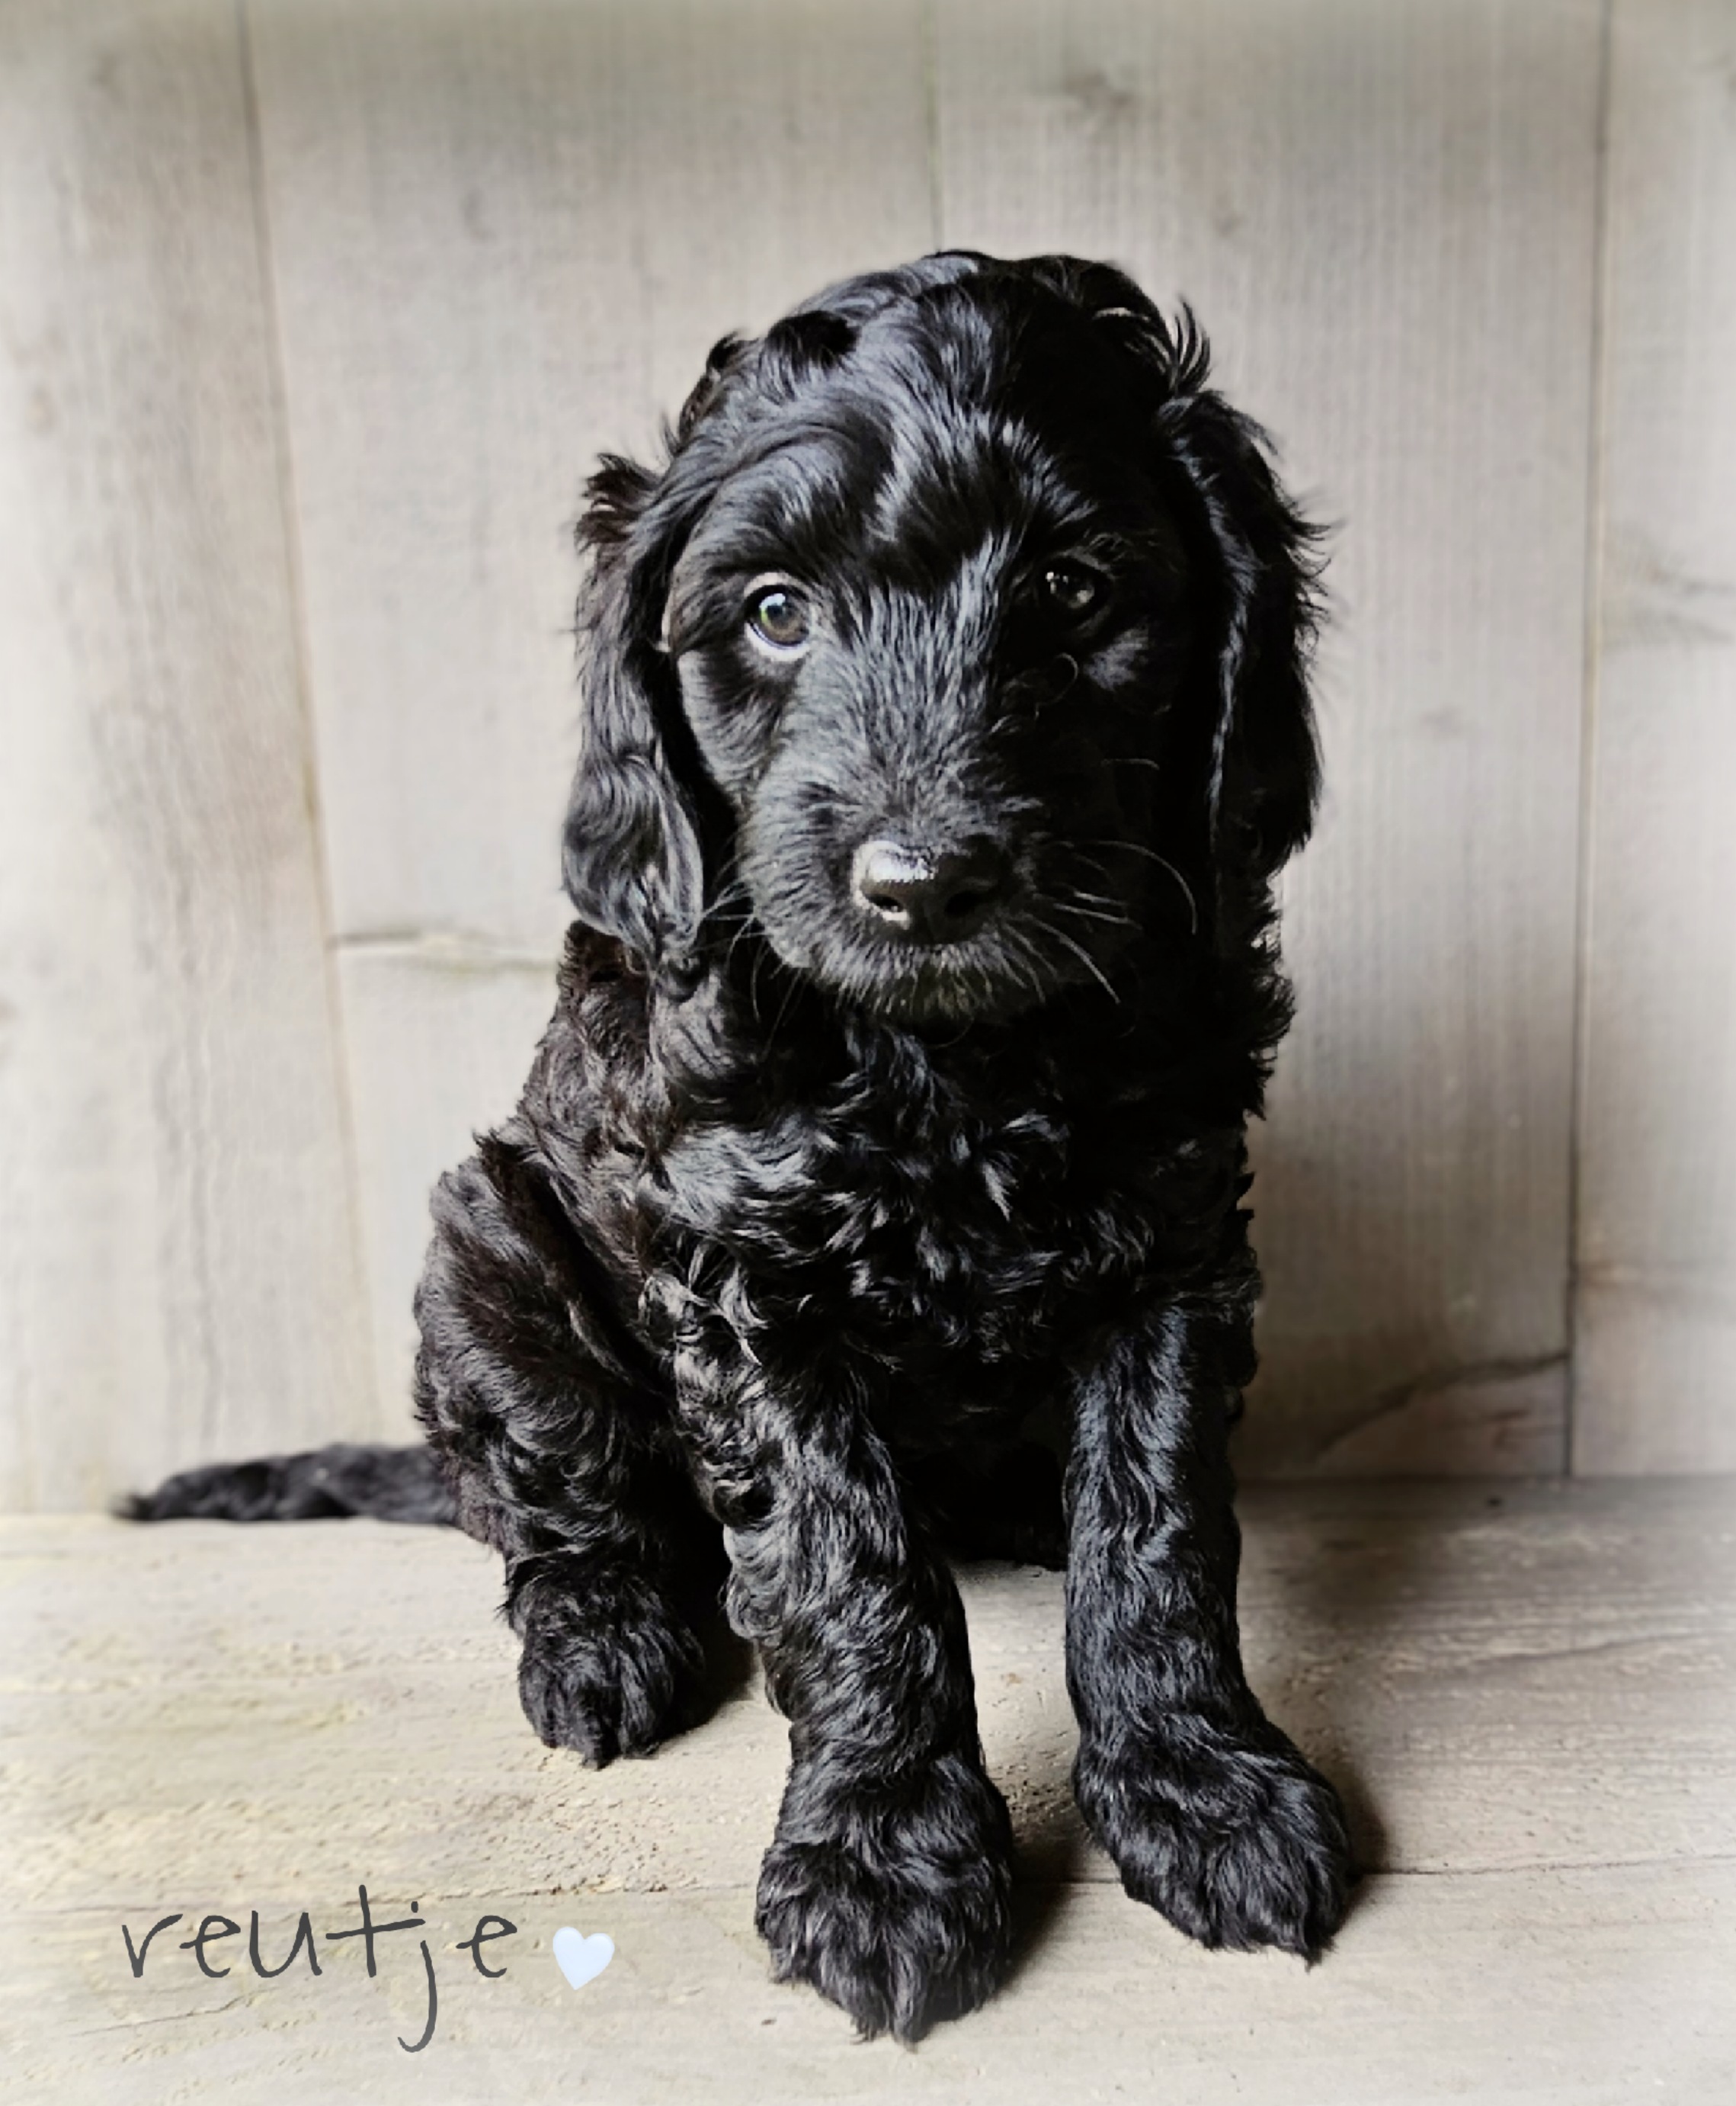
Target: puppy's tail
point(391, 1484)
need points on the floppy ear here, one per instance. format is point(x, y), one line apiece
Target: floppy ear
point(631, 846)
point(633, 851)
point(1264, 766)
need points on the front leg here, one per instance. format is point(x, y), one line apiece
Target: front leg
point(888, 1884)
point(1209, 1813)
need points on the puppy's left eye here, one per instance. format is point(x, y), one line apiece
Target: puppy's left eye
point(778, 616)
point(1075, 590)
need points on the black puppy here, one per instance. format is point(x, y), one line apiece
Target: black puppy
point(945, 723)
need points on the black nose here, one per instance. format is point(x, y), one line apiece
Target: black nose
point(927, 896)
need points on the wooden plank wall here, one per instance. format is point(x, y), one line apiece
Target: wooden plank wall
point(1656, 1227)
point(178, 1264)
point(340, 297)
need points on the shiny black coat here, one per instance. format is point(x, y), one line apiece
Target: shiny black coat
point(815, 1250)
point(797, 1237)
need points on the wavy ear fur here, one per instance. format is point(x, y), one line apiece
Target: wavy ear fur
point(1264, 767)
point(633, 850)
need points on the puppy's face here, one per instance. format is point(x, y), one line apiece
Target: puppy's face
point(959, 644)
point(930, 631)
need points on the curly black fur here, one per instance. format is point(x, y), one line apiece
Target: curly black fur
point(813, 1207)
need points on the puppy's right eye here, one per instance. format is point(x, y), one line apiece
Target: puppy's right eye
point(1074, 589)
point(778, 616)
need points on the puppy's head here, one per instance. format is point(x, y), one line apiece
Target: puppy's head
point(959, 644)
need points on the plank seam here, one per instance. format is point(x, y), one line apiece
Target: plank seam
point(1108, 1883)
point(295, 567)
point(929, 32)
point(1597, 433)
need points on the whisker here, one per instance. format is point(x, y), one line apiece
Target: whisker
point(733, 894)
point(1092, 905)
point(1137, 847)
point(1026, 963)
point(783, 1009)
point(1091, 914)
point(1083, 955)
point(745, 929)
point(1023, 956)
point(1133, 848)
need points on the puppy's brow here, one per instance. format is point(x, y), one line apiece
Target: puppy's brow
point(780, 507)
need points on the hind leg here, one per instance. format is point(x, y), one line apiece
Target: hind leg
point(558, 1447)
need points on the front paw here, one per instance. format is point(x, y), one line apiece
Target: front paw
point(609, 1668)
point(891, 1898)
point(1233, 1836)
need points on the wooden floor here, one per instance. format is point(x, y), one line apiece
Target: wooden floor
point(1527, 1693)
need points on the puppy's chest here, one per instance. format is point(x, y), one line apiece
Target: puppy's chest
point(992, 1239)
point(996, 1248)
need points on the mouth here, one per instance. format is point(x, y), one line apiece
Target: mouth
point(999, 973)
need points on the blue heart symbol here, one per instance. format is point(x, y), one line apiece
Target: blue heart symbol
point(582, 1960)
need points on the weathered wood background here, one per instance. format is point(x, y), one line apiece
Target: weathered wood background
point(312, 313)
